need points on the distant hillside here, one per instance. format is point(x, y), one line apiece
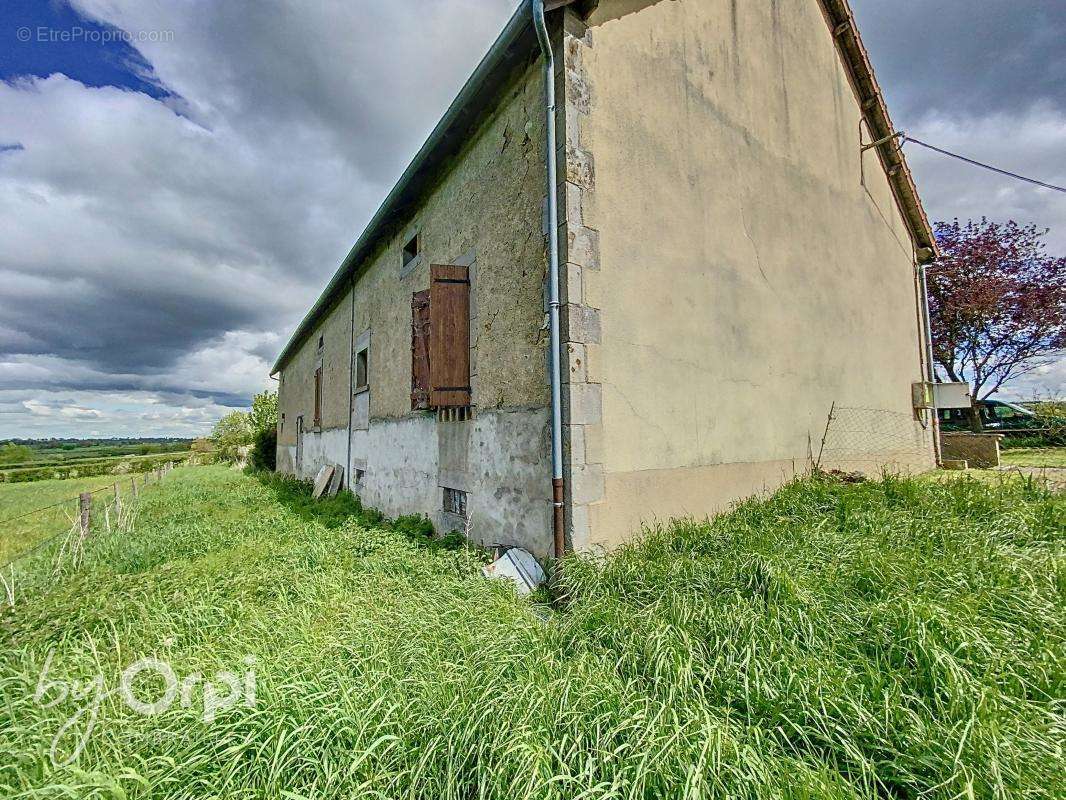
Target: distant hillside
point(21, 453)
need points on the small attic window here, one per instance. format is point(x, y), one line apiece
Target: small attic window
point(410, 251)
point(321, 342)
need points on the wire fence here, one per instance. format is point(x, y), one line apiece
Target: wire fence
point(865, 439)
point(77, 515)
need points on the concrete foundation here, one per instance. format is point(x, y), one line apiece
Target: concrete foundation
point(980, 450)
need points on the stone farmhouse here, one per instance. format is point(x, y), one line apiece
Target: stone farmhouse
point(647, 249)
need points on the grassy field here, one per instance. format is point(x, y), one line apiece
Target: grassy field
point(899, 639)
point(1053, 457)
point(44, 454)
point(19, 532)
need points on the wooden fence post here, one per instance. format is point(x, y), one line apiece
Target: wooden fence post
point(133, 487)
point(118, 505)
point(85, 504)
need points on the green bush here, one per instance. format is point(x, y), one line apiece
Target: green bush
point(265, 450)
point(12, 454)
point(232, 433)
point(1035, 442)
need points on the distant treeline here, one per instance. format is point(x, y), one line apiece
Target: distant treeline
point(74, 444)
point(19, 453)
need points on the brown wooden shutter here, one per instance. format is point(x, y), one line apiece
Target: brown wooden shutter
point(449, 351)
point(318, 397)
point(420, 337)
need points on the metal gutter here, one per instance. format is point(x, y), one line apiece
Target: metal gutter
point(351, 392)
point(515, 45)
point(555, 364)
point(860, 70)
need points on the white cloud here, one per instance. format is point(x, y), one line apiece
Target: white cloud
point(69, 413)
point(1045, 382)
point(1029, 143)
point(169, 255)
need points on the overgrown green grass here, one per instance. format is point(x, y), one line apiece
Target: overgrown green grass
point(899, 639)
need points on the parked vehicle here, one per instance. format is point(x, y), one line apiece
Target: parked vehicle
point(995, 415)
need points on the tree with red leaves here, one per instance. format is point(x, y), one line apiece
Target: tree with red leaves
point(997, 303)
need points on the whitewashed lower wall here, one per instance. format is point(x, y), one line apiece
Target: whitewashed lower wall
point(500, 459)
point(319, 449)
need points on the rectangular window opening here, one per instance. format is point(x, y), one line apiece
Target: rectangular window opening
point(318, 398)
point(455, 502)
point(410, 251)
point(359, 475)
point(362, 364)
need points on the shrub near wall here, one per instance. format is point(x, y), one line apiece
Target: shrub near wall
point(110, 466)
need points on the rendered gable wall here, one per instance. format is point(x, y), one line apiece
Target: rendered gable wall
point(735, 265)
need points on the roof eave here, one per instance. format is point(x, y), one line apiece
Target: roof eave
point(515, 42)
point(860, 69)
point(517, 39)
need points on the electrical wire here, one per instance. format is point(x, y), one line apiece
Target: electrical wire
point(906, 138)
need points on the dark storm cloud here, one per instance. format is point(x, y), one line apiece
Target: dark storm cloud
point(966, 57)
point(118, 328)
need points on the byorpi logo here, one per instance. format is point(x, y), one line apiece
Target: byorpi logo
point(164, 688)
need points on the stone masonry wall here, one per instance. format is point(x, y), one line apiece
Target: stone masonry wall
point(580, 288)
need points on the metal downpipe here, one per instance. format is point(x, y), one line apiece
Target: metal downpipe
point(927, 325)
point(555, 369)
point(351, 392)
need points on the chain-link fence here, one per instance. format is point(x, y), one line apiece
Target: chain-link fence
point(871, 439)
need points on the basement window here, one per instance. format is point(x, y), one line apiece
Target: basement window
point(455, 502)
point(359, 475)
point(410, 251)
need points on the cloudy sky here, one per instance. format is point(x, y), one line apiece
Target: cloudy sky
point(180, 178)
